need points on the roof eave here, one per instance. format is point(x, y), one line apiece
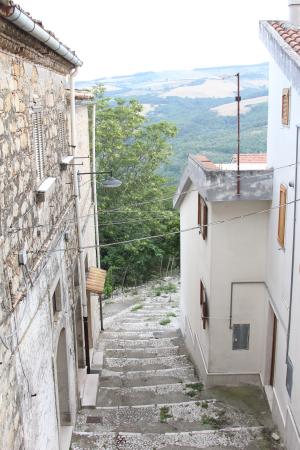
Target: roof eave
point(286, 58)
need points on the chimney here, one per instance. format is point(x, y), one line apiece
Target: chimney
point(294, 6)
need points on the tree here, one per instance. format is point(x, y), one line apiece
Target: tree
point(134, 149)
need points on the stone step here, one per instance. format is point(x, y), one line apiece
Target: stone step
point(147, 377)
point(122, 335)
point(149, 313)
point(164, 417)
point(231, 438)
point(138, 343)
point(141, 326)
point(144, 318)
point(140, 352)
point(147, 395)
point(131, 364)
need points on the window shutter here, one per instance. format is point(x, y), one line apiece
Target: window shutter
point(204, 224)
point(285, 109)
point(282, 214)
point(61, 131)
point(202, 217)
point(199, 212)
point(38, 143)
point(203, 305)
point(202, 293)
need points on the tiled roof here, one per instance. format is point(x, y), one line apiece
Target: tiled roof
point(289, 33)
point(251, 158)
point(204, 162)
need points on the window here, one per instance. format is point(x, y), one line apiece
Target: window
point(282, 214)
point(202, 217)
point(240, 335)
point(285, 107)
point(203, 305)
point(56, 299)
point(38, 143)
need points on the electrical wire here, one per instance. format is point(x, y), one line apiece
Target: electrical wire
point(218, 222)
point(122, 211)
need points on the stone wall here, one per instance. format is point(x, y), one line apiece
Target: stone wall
point(30, 326)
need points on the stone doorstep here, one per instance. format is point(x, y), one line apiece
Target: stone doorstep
point(81, 376)
point(65, 437)
point(97, 361)
point(89, 398)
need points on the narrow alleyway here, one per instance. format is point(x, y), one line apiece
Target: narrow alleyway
point(149, 395)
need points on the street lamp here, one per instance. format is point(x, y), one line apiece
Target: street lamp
point(111, 182)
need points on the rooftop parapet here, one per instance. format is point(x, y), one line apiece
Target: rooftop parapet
point(218, 185)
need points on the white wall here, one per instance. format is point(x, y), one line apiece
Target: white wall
point(195, 266)
point(282, 151)
point(232, 252)
point(238, 255)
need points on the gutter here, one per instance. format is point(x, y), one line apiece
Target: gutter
point(78, 223)
point(20, 19)
point(293, 244)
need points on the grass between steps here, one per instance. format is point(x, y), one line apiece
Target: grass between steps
point(165, 321)
point(136, 308)
point(193, 389)
point(164, 414)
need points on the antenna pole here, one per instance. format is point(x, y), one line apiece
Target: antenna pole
point(238, 100)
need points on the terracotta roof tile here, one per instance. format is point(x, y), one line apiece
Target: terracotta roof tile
point(289, 33)
point(251, 158)
point(204, 162)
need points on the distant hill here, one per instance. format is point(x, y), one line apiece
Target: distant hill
point(202, 104)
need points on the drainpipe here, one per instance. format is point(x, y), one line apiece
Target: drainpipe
point(79, 232)
point(95, 186)
point(293, 245)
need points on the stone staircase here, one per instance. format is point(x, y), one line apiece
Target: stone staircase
point(150, 397)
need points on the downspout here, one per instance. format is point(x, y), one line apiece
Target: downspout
point(78, 224)
point(293, 246)
point(95, 185)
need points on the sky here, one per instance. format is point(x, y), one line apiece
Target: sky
point(120, 37)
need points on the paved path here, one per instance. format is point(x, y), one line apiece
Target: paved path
point(150, 397)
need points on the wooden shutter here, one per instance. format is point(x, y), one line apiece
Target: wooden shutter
point(204, 223)
point(38, 143)
point(199, 212)
point(202, 293)
point(202, 217)
point(203, 305)
point(285, 108)
point(282, 214)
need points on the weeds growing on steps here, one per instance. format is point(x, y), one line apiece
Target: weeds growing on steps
point(215, 422)
point(169, 288)
point(164, 414)
point(193, 389)
point(165, 321)
point(136, 308)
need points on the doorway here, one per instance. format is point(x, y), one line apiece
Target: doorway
point(63, 380)
point(273, 356)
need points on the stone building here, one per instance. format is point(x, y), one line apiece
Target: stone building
point(43, 219)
